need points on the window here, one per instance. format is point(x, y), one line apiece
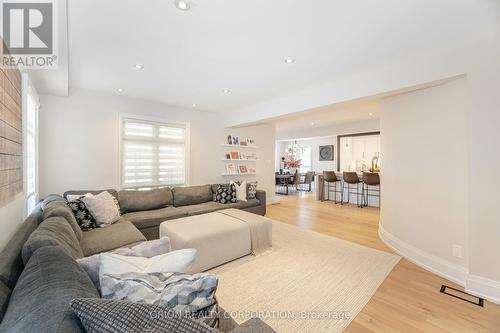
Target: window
point(30, 130)
point(153, 154)
point(306, 159)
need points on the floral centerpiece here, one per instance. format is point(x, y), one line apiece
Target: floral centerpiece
point(293, 165)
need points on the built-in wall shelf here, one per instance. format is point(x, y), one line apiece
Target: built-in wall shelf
point(238, 146)
point(238, 174)
point(240, 160)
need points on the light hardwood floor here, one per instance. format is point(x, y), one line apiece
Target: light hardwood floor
point(409, 299)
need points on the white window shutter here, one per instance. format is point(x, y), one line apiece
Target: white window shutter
point(153, 154)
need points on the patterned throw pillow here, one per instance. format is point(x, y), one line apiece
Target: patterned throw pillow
point(182, 293)
point(251, 190)
point(83, 217)
point(103, 207)
point(225, 195)
point(111, 316)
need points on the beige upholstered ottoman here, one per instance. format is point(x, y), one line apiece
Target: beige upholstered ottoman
point(218, 237)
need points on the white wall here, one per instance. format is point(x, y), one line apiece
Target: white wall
point(11, 217)
point(317, 165)
point(79, 141)
point(424, 175)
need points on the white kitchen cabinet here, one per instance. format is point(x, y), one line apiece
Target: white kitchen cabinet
point(358, 151)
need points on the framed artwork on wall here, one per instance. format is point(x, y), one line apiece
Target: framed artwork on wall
point(326, 153)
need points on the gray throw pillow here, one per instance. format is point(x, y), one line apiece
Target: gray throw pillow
point(112, 316)
point(183, 293)
point(146, 249)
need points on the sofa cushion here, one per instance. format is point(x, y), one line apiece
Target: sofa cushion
point(133, 201)
point(53, 231)
point(51, 199)
point(243, 204)
point(151, 218)
point(4, 299)
point(11, 262)
point(203, 208)
point(116, 235)
point(61, 209)
point(192, 195)
point(41, 299)
point(113, 192)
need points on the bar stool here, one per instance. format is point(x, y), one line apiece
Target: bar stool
point(370, 179)
point(351, 178)
point(331, 177)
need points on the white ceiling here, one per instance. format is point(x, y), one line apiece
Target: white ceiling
point(190, 57)
point(328, 116)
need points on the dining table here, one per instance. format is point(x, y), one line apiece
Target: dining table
point(282, 181)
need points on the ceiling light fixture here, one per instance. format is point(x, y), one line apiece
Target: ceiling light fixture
point(139, 66)
point(370, 114)
point(312, 124)
point(120, 90)
point(194, 105)
point(181, 5)
point(226, 91)
point(289, 60)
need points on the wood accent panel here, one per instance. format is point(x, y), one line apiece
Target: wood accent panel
point(11, 126)
point(409, 300)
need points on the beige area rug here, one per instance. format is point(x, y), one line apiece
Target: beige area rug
point(310, 282)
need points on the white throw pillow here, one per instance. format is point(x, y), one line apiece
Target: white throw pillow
point(179, 261)
point(103, 208)
point(146, 249)
point(241, 190)
point(71, 197)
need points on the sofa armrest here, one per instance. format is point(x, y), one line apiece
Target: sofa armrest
point(261, 196)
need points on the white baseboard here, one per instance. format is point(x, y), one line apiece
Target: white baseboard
point(484, 288)
point(476, 285)
point(430, 262)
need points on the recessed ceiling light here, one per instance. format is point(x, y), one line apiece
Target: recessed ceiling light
point(226, 91)
point(139, 66)
point(120, 90)
point(370, 114)
point(289, 60)
point(194, 105)
point(182, 5)
point(312, 124)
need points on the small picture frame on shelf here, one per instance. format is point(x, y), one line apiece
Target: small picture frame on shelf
point(243, 143)
point(229, 139)
point(252, 170)
point(231, 169)
point(243, 169)
point(236, 140)
point(228, 156)
point(235, 155)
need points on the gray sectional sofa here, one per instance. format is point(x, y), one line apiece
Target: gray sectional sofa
point(39, 275)
point(147, 209)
